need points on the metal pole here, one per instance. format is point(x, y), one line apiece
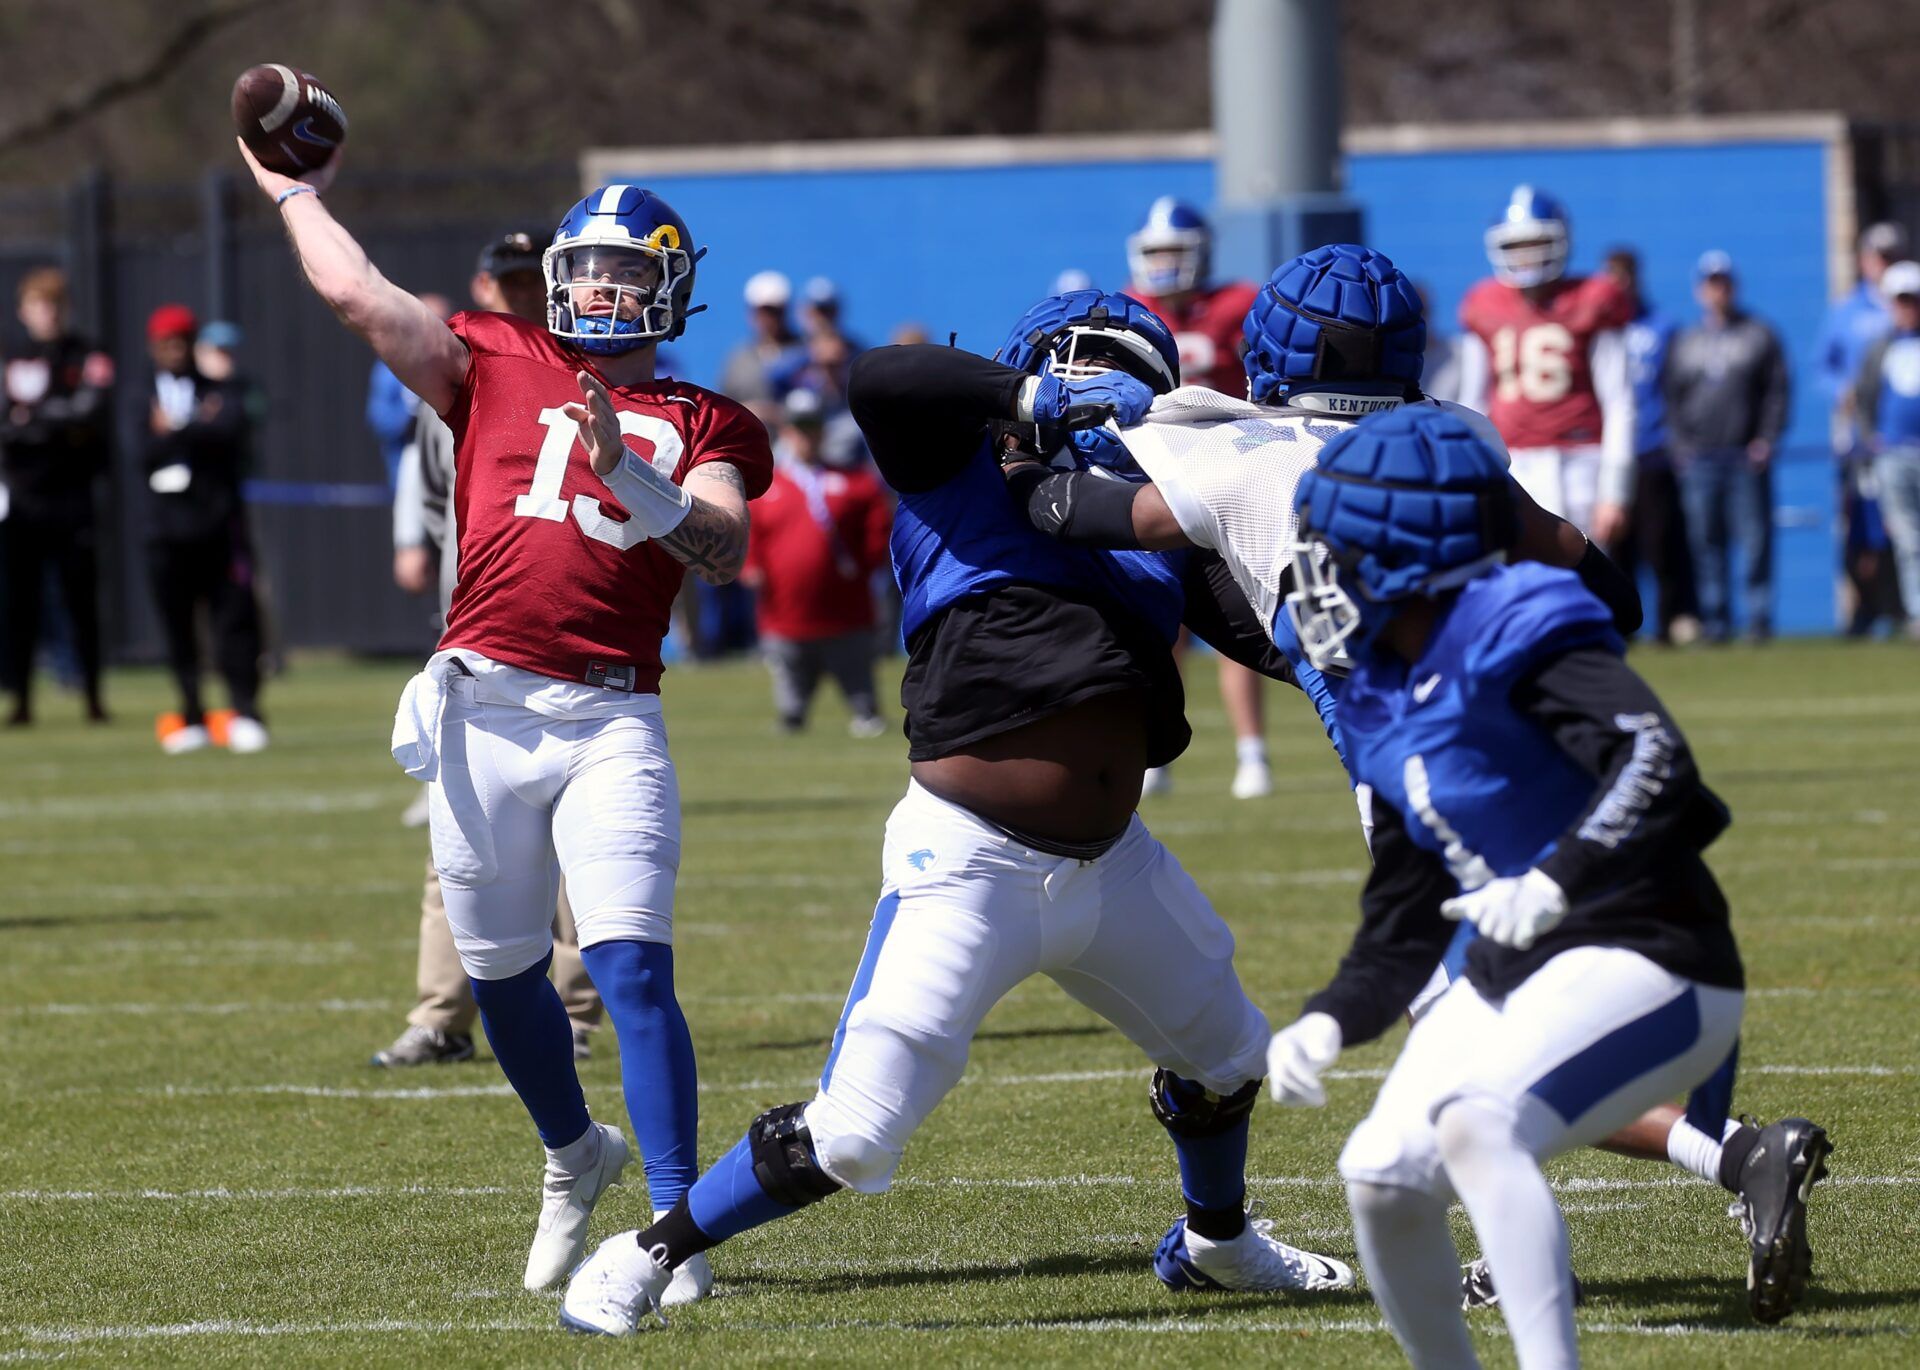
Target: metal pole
point(1276, 98)
point(1276, 111)
point(216, 243)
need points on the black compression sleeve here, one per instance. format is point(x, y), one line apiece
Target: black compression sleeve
point(1612, 588)
point(1649, 798)
point(1219, 615)
point(924, 409)
point(1401, 938)
point(1077, 506)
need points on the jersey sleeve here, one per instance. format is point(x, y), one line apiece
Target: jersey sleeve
point(1476, 310)
point(1185, 486)
point(1527, 615)
point(479, 331)
point(732, 434)
point(1648, 797)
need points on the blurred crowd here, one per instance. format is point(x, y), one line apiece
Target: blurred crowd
point(195, 448)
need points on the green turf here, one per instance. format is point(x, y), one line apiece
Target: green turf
point(182, 936)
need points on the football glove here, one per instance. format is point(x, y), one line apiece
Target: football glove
point(1513, 910)
point(1297, 1055)
point(1085, 403)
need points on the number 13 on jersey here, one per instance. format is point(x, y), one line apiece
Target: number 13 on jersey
point(543, 500)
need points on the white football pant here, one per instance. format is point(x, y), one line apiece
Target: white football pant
point(1482, 1093)
point(967, 912)
point(1562, 480)
point(514, 789)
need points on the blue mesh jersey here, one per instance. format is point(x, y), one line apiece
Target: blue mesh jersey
point(965, 537)
point(1480, 784)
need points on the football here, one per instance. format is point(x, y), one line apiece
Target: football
point(287, 118)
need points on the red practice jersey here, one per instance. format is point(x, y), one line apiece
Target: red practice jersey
point(552, 577)
point(1208, 330)
point(1540, 392)
point(814, 554)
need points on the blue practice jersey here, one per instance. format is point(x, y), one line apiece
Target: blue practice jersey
point(1481, 785)
point(965, 537)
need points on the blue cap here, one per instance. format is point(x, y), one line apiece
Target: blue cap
point(1712, 263)
point(820, 291)
point(221, 334)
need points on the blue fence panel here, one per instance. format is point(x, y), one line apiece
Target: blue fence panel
point(965, 249)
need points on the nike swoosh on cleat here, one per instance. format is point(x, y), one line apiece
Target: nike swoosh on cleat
point(1326, 1267)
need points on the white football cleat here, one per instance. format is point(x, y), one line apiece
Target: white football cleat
point(566, 1202)
point(1252, 780)
point(1255, 1261)
point(246, 735)
point(617, 1283)
point(1157, 780)
point(192, 738)
point(692, 1281)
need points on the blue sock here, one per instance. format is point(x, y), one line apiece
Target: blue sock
point(728, 1200)
point(1213, 1164)
point(527, 1027)
point(656, 1060)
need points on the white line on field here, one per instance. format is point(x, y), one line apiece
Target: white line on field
point(794, 1082)
point(221, 1195)
point(71, 1335)
point(218, 1010)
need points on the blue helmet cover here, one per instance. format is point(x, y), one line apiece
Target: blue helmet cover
point(1408, 502)
point(1341, 321)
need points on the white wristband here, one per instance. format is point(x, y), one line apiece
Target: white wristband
point(653, 501)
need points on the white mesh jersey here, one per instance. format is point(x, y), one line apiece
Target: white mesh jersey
point(1228, 469)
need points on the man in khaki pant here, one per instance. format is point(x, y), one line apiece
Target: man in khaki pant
point(440, 1028)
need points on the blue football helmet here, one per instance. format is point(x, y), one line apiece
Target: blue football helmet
point(1173, 250)
point(1410, 502)
point(1071, 332)
point(632, 259)
point(1528, 244)
point(1340, 330)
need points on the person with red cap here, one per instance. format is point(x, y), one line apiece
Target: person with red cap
point(199, 434)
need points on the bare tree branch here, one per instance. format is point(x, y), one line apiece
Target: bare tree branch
point(84, 104)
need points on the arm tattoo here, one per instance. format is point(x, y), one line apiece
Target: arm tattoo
point(710, 540)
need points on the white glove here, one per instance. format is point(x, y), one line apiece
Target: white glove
point(1513, 910)
point(1297, 1055)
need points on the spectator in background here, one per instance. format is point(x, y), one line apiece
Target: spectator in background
point(1887, 407)
point(391, 406)
point(1853, 324)
point(818, 536)
point(199, 439)
point(53, 447)
point(770, 339)
point(506, 280)
point(1726, 393)
point(1656, 533)
point(825, 353)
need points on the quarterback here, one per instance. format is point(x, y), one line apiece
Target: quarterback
point(1039, 687)
point(1546, 359)
point(584, 489)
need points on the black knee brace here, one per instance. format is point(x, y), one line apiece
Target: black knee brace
point(783, 1159)
point(1187, 1109)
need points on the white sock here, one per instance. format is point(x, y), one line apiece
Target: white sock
point(577, 1156)
point(1409, 1258)
point(1691, 1149)
point(1520, 1230)
point(1251, 751)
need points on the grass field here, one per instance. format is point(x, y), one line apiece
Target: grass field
point(197, 1166)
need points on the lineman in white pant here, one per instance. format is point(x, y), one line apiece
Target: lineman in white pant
point(966, 913)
